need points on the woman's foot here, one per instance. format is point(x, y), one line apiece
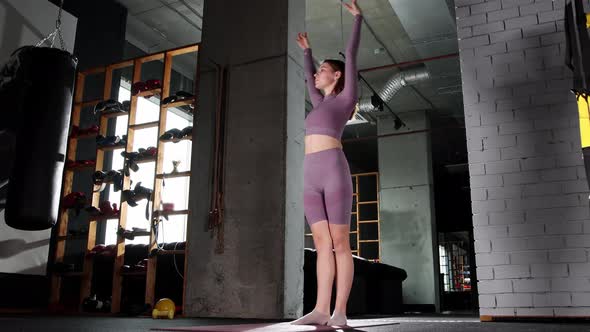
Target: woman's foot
point(313, 318)
point(337, 319)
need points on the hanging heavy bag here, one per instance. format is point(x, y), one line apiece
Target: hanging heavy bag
point(45, 80)
point(38, 84)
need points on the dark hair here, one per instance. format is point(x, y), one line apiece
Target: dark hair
point(337, 65)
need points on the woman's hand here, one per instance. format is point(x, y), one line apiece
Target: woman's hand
point(352, 8)
point(302, 40)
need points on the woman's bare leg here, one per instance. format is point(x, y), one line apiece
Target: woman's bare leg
point(325, 270)
point(345, 270)
point(325, 265)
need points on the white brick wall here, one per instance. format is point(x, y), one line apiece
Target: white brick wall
point(528, 186)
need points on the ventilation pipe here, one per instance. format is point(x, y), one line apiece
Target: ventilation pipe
point(407, 77)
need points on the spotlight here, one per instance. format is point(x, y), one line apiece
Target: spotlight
point(397, 123)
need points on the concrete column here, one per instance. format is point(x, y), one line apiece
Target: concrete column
point(408, 229)
point(260, 272)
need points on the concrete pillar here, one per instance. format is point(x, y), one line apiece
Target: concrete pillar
point(408, 229)
point(260, 272)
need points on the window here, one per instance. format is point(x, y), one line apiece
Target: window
point(174, 190)
point(454, 261)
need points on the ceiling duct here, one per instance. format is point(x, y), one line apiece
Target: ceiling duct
point(404, 78)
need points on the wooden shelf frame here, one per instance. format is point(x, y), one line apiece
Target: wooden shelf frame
point(176, 140)
point(145, 125)
point(170, 252)
point(184, 102)
point(173, 175)
point(358, 250)
point(159, 169)
point(160, 213)
point(62, 227)
point(152, 92)
point(110, 115)
point(111, 147)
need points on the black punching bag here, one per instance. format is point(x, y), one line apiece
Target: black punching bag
point(36, 87)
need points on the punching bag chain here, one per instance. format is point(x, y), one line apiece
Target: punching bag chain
point(58, 25)
point(57, 31)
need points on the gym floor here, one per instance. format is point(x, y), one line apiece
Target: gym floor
point(407, 323)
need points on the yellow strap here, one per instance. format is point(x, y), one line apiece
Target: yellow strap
point(584, 114)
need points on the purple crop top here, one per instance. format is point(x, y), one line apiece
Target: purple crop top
point(330, 113)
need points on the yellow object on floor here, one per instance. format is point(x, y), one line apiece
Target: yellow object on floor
point(164, 308)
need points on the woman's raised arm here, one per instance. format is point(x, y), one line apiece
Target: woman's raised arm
point(350, 77)
point(309, 69)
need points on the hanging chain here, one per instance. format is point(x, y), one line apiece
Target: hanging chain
point(57, 31)
point(58, 25)
point(51, 35)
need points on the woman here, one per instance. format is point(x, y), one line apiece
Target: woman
point(327, 179)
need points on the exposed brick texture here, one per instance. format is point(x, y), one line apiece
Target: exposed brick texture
point(529, 192)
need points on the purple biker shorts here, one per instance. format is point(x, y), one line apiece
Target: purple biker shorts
point(327, 187)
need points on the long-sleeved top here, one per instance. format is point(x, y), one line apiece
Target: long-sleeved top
point(330, 113)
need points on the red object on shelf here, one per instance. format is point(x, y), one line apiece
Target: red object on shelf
point(138, 87)
point(107, 210)
point(110, 250)
point(76, 131)
point(152, 151)
point(167, 207)
point(96, 250)
point(73, 200)
point(103, 250)
point(79, 163)
point(153, 84)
